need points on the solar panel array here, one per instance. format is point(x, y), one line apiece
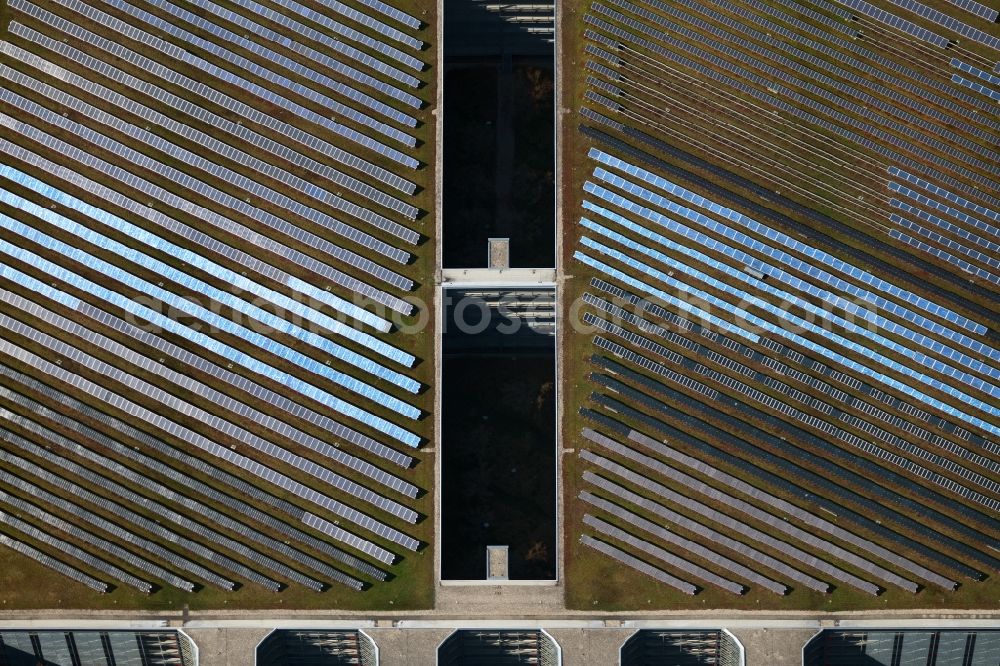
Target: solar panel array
point(750, 299)
point(213, 221)
point(952, 23)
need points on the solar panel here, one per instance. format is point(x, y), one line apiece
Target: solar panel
point(176, 152)
point(691, 546)
point(151, 443)
point(934, 189)
point(787, 507)
point(70, 550)
point(703, 531)
point(222, 324)
point(780, 103)
point(230, 38)
point(787, 95)
point(298, 29)
point(239, 282)
point(346, 32)
point(263, 93)
point(227, 427)
point(941, 254)
point(952, 23)
point(192, 506)
point(98, 542)
point(392, 12)
point(637, 564)
point(175, 430)
point(162, 512)
point(208, 92)
point(944, 224)
point(864, 109)
point(331, 43)
point(831, 477)
point(218, 147)
point(224, 224)
point(732, 525)
point(988, 259)
point(766, 325)
point(979, 88)
point(757, 284)
point(610, 530)
point(894, 21)
point(94, 520)
point(242, 410)
point(54, 564)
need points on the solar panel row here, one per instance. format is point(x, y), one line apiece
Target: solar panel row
point(768, 82)
point(765, 269)
point(851, 439)
point(346, 32)
point(841, 50)
point(934, 189)
point(326, 62)
point(790, 243)
point(54, 564)
point(951, 22)
point(691, 546)
point(230, 38)
point(223, 427)
point(745, 315)
point(948, 210)
point(896, 22)
point(637, 564)
point(84, 536)
point(259, 11)
point(221, 324)
point(125, 514)
point(70, 550)
point(197, 186)
point(183, 55)
point(762, 285)
point(241, 410)
point(223, 224)
point(204, 91)
point(944, 256)
point(732, 526)
point(160, 448)
point(978, 87)
point(636, 544)
point(842, 54)
point(810, 519)
point(214, 169)
point(987, 259)
point(835, 476)
point(163, 512)
point(868, 102)
point(222, 149)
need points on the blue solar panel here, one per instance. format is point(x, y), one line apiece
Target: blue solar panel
point(762, 267)
point(950, 22)
point(751, 300)
point(290, 305)
point(892, 20)
point(965, 203)
point(779, 331)
point(979, 88)
point(758, 284)
point(783, 239)
point(186, 306)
